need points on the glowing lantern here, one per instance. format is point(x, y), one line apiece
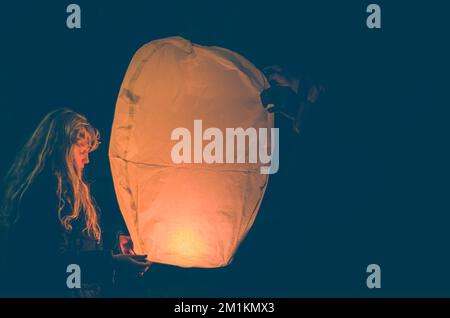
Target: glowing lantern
point(192, 213)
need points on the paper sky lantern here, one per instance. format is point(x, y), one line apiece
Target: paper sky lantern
point(187, 201)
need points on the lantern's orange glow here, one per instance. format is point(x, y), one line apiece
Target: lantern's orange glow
point(185, 214)
point(186, 243)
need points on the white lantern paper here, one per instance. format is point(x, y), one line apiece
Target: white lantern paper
point(186, 214)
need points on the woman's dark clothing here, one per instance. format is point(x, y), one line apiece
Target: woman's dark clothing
point(40, 249)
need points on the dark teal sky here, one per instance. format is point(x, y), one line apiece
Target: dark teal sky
point(368, 181)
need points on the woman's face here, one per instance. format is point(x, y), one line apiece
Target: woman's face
point(81, 156)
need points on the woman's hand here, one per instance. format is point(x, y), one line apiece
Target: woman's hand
point(283, 100)
point(134, 264)
point(289, 95)
point(126, 244)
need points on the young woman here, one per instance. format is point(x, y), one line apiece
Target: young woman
point(51, 218)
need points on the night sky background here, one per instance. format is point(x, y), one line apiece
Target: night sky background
point(367, 181)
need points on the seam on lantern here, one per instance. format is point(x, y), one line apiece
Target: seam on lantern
point(193, 166)
point(244, 231)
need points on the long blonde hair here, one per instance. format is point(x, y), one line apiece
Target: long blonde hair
point(52, 145)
